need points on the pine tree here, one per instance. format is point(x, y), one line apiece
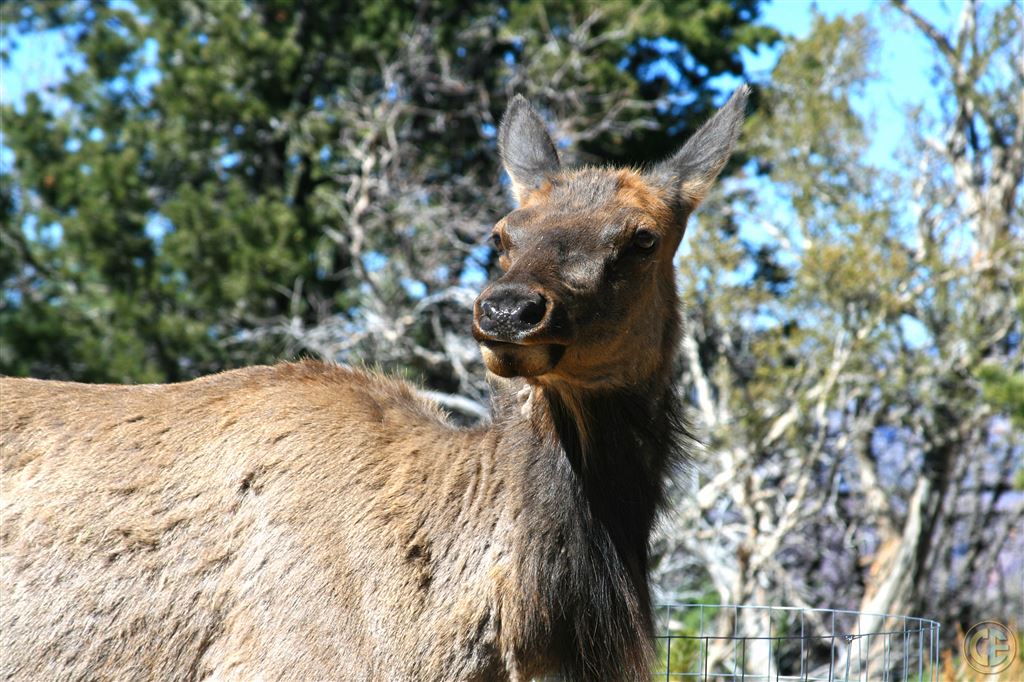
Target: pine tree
point(221, 177)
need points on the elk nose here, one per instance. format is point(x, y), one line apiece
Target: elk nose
point(512, 310)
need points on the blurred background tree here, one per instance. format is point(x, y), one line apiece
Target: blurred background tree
point(222, 183)
point(861, 381)
point(225, 183)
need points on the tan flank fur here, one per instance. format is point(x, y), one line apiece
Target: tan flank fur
point(309, 522)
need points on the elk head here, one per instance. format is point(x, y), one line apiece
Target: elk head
point(588, 295)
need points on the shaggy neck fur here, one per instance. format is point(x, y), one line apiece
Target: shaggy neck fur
point(598, 481)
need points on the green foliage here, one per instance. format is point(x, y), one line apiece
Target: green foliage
point(1004, 392)
point(680, 643)
point(857, 331)
point(713, 33)
point(220, 123)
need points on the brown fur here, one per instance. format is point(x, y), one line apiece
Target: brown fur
point(310, 522)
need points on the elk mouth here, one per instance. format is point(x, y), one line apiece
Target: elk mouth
point(508, 359)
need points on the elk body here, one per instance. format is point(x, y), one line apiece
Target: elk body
point(305, 521)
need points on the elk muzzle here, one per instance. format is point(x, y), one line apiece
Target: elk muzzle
point(509, 312)
point(512, 322)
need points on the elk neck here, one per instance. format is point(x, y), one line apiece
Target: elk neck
point(614, 446)
point(619, 445)
point(595, 476)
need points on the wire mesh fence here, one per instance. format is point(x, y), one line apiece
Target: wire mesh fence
point(719, 643)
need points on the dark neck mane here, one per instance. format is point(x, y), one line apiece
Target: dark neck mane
point(620, 457)
point(599, 481)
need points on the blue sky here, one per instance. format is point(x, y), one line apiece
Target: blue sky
point(903, 62)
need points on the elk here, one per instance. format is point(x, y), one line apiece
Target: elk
point(310, 522)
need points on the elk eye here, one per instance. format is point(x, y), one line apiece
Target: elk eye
point(496, 242)
point(644, 240)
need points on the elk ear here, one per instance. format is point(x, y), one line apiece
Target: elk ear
point(526, 149)
point(689, 173)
